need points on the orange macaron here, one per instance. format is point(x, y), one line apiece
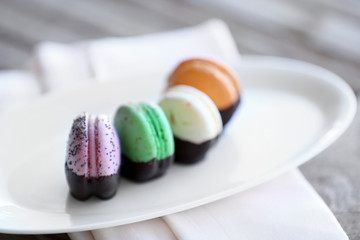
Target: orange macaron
point(212, 78)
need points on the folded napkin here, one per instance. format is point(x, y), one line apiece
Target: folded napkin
point(284, 208)
point(61, 65)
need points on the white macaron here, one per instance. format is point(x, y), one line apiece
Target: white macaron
point(193, 116)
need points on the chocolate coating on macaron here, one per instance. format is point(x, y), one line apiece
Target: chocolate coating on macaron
point(188, 152)
point(83, 188)
point(227, 113)
point(145, 171)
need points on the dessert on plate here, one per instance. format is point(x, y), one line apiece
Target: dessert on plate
point(92, 158)
point(147, 141)
point(195, 121)
point(218, 81)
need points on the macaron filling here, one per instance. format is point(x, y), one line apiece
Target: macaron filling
point(92, 154)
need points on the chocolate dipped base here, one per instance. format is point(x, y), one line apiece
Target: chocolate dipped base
point(82, 188)
point(188, 152)
point(144, 171)
point(227, 113)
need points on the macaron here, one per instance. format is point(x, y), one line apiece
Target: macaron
point(218, 81)
point(147, 142)
point(92, 158)
point(195, 121)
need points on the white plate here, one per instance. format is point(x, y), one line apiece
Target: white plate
point(290, 112)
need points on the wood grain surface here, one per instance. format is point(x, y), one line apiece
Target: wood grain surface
point(323, 32)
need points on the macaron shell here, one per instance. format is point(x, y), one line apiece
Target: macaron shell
point(136, 137)
point(220, 65)
point(93, 147)
point(144, 132)
point(226, 70)
point(107, 148)
point(161, 129)
point(219, 83)
point(192, 114)
point(77, 146)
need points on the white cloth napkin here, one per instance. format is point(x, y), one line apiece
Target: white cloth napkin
point(284, 208)
point(61, 65)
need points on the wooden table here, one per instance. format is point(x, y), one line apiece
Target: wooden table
point(323, 32)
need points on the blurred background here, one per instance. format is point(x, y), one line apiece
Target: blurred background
point(323, 32)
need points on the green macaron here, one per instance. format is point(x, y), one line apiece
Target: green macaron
point(147, 142)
